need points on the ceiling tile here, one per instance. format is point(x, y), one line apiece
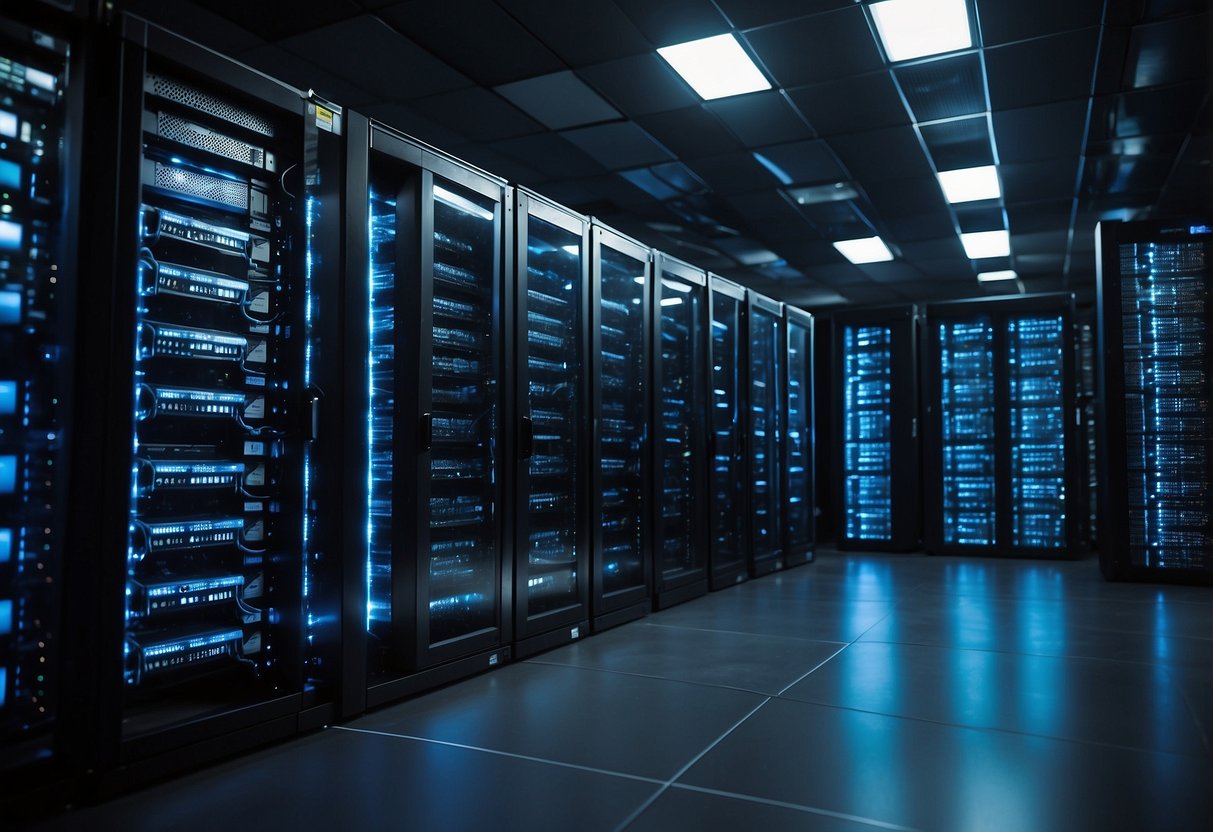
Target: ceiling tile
point(1048, 179)
point(823, 47)
point(1038, 217)
point(961, 143)
point(1003, 22)
point(476, 113)
point(948, 268)
point(903, 197)
point(1147, 112)
point(764, 205)
point(618, 145)
point(516, 172)
point(1034, 133)
point(1042, 70)
point(760, 118)
point(895, 271)
point(474, 36)
point(299, 72)
point(945, 88)
point(269, 22)
point(748, 13)
point(692, 133)
point(808, 253)
point(558, 158)
point(980, 216)
point(805, 162)
point(370, 53)
point(640, 84)
point(408, 121)
point(1040, 243)
point(733, 173)
point(1168, 52)
point(850, 105)
point(879, 155)
point(667, 23)
point(580, 33)
point(210, 27)
point(558, 100)
point(919, 226)
point(941, 248)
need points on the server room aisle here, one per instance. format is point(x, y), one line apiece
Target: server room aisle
point(865, 691)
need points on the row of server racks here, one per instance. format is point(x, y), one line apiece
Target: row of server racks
point(960, 428)
point(310, 416)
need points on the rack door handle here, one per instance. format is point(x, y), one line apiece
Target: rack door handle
point(427, 432)
point(526, 439)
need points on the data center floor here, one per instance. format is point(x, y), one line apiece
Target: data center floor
point(863, 691)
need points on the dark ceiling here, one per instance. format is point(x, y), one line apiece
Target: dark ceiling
point(1090, 109)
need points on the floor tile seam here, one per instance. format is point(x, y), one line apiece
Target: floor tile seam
point(1202, 730)
point(499, 753)
point(1003, 731)
point(1063, 656)
point(636, 675)
point(738, 632)
point(630, 819)
point(801, 807)
point(1068, 600)
point(812, 670)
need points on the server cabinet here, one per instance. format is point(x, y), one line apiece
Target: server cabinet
point(551, 314)
point(798, 473)
point(766, 359)
point(1153, 311)
point(875, 379)
point(1001, 457)
point(680, 539)
point(206, 512)
point(727, 431)
point(41, 97)
point(431, 236)
point(620, 475)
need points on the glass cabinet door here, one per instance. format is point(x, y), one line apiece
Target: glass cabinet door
point(727, 480)
point(623, 421)
point(680, 414)
point(867, 432)
point(552, 409)
point(766, 365)
point(966, 367)
point(799, 464)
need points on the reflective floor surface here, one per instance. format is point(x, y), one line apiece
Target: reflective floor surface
point(859, 692)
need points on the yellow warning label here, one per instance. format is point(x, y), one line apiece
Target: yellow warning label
point(324, 118)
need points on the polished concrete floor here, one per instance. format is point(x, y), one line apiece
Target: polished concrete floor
point(859, 692)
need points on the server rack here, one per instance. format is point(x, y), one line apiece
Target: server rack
point(1089, 433)
point(875, 382)
point(727, 550)
point(767, 401)
point(1154, 351)
point(551, 402)
point(1001, 458)
point(42, 92)
point(429, 233)
point(204, 520)
point(620, 474)
point(680, 542)
point(799, 501)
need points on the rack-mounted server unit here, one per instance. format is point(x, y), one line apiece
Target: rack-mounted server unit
point(878, 499)
point(800, 505)
point(620, 473)
point(430, 236)
point(41, 103)
point(1001, 456)
point(216, 571)
point(1154, 347)
point(766, 361)
point(728, 474)
point(551, 314)
point(680, 442)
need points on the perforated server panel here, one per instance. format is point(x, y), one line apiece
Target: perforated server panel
point(1154, 349)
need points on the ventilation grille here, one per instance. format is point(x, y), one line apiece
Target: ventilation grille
point(184, 132)
point(945, 88)
point(214, 188)
point(207, 103)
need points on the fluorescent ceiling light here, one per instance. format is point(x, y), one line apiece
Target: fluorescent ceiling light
point(990, 277)
point(830, 192)
point(979, 244)
point(864, 250)
point(915, 28)
point(671, 301)
point(715, 67)
point(969, 184)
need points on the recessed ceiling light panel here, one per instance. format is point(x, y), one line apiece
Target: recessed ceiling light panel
point(917, 28)
point(981, 244)
point(715, 67)
point(970, 184)
point(864, 250)
point(991, 277)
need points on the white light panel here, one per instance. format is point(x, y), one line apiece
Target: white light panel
point(715, 67)
point(991, 277)
point(864, 250)
point(970, 184)
point(979, 244)
point(917, 28)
